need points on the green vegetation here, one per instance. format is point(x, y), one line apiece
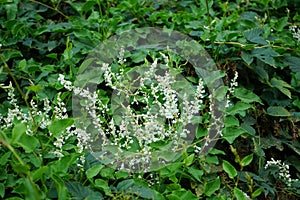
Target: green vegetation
point(43, 50)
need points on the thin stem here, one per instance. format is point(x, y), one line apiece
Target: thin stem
point(55, 9)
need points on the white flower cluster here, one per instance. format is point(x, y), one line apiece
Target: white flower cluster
point(161, 118)
point(233, 84)
point(283, 173)
point(35, 118)
point(296, 32)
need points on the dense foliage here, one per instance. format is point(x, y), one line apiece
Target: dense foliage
point(255, 45)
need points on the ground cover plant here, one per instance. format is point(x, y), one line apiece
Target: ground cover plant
point(45, 153)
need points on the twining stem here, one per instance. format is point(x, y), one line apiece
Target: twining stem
point(12, 150)
point(55, 9)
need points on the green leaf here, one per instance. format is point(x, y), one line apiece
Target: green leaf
point(38, 174)
point(196, 173)
point(2, 190)
point(278, 111)
point(246, 95)
point(265, 55)
point(93, 171)
point(239, 195)
point(257, 192)
point(189, 160)
point(231, 133)
point(28, 143)
point(253, 35)
point(60, 187)
point(78, 191)
point(230, 121)
point(248, 58)
point(212, 186)
point(17, 132)
point(239, 108)
point(229, 169)
point(220, 93)
point(57, 127)
point(103, 185)
point(281, 85)
point(246, 160)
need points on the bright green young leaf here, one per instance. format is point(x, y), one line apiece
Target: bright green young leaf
point(229, 169)
point(239, 194)
point(189, 160)
point(246, 160)
point(17, 132)
point(212, 186)
point(93, 171)
point(257, 192)
point(57, 127)
point(278, 111)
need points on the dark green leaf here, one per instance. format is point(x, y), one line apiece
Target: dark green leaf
point(278, 111)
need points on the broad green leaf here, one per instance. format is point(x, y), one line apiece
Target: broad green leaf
point(282, 86)
point(265, 55)
point(239, 194)
point(229, 169)
point(293, 62)
point(246, 95)
point(239, 108)
point(278, 111)
point(64, 163)
point(212, 186)
point(38, 174)
point(196, 173)
point(93, 171)
point(103, 185)
point(231, 133)
point(281, 23)
point(17, 132)
point(78, 191)
point(231, 120)
point(28, 143)
point(22, 65)
point(262, 73)
point(57, 127)
point(254, 35)
point(246, 160)
point(248, 58)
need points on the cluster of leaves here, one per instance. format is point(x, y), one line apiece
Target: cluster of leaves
point(41, 39)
